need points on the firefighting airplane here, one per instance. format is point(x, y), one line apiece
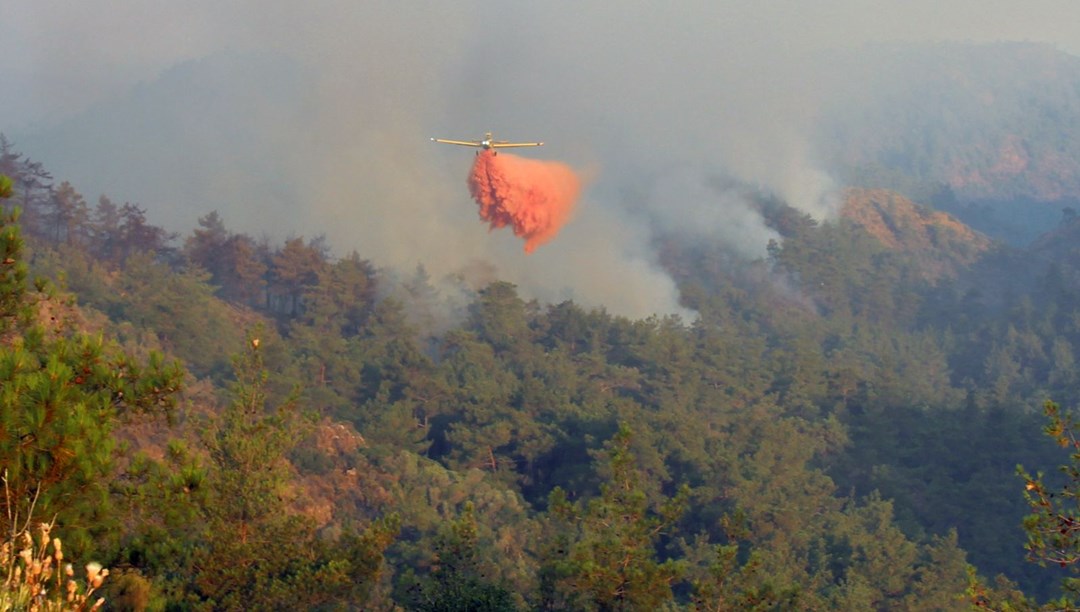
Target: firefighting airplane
point(488, 143)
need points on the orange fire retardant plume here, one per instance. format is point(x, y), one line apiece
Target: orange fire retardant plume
point(535, 198)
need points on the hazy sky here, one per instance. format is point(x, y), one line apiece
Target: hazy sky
point(315, 117)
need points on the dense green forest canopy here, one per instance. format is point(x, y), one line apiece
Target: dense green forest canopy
point(838, 429)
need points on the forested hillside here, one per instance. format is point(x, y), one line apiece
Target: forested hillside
point(982, 131)
point(278, 426)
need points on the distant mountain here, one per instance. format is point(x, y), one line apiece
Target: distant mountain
point(1060, 247)
point(955, 124)
point(944, 247)
point(1063, 241)
point(939, 242)
point(993, 121)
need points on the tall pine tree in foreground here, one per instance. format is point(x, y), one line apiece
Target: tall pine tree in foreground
point(62, 392)
point(60, 395)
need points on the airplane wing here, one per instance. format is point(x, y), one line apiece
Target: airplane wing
point(507, 145)
point(464, 143)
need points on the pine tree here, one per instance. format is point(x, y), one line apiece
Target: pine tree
point(1053, 527)
point(31, 184)
point(61, 394)
point(248, 549)
point(602, 555)
point(296, 267)
point(459, 579)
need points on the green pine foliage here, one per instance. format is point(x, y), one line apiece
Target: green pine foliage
point(837, 430)
point(602, 553)
point(1053, 526)
point(460, 579)
point(224, 536)
point(62, 394)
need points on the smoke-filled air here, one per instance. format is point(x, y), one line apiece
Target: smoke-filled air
point(534, 198)
point(315, 119)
